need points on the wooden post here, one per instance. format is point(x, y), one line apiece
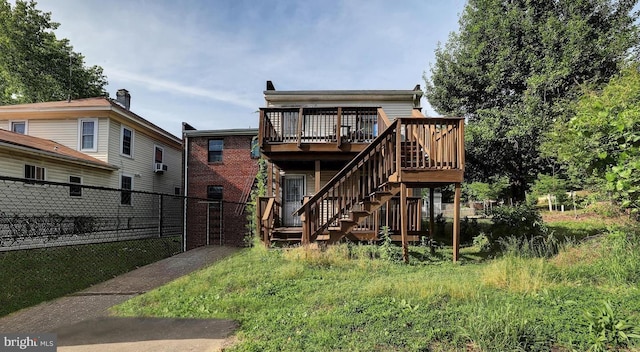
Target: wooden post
point(432, 218)
point(299, 128)
point(317, 184)
point(404, 222)
point(339, 128)
point(269, 179)
point(456, 224)
point(261, 124)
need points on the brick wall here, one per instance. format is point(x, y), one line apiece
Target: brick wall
point(235, 174)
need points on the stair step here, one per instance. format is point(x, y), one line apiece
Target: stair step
point(347, 222)
point(358, 214)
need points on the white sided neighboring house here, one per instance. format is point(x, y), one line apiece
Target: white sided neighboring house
point(131, 151)
point(86, 171)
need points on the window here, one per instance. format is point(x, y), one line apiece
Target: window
point(88, 135)
point(214, 192)
point(215, 150)
point(32, 172)
point(255, 148)
point(19, 127)
point(126, 185)
point(158, 154)
point(126, 141)
point(75, 191)
point(176, 191)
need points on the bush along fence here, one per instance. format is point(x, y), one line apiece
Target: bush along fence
point(38, 214)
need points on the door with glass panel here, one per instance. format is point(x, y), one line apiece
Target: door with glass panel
point(293, 191)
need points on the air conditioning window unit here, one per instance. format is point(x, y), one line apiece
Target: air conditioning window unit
point(160, 168)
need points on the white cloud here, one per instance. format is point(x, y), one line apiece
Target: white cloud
point(175, 87)
point(207, 61)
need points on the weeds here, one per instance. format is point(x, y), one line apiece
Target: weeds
point(353, 297)
point(606, 330)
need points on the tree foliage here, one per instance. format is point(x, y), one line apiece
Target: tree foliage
point(603, 138)
point(35, 66)
point(515, 66)
point(481, 191)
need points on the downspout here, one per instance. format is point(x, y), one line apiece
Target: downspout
point(186, 193)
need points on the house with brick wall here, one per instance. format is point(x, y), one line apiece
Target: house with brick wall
point(220, 169)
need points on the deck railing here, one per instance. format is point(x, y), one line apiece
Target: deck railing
point(407, 144)
point(320, 125)
point(389, 215)
point(269, 209)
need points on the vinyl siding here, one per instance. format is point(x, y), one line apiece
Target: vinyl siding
point(393, 109)
point(141, 164)
point(310, 184)
point(65, 132)
point(12, 164)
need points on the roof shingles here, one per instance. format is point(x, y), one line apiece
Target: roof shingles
point(49, 147)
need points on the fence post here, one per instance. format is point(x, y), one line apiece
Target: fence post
point(160, 215)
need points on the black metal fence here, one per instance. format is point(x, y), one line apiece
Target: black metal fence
point(38, 214)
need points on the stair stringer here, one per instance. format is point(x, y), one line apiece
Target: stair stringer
point(356, 217)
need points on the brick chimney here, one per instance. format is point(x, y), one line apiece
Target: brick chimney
point(124, 98)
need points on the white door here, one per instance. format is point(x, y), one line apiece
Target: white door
point(293, 193)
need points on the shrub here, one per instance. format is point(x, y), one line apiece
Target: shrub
point(521, 220)
point(468, 230)
point(482, 242)
point(605, 209)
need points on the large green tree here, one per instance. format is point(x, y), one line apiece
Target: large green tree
point(514, 68)
point(35, 66)
point(603, 138)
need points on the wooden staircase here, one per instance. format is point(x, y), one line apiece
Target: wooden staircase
point(368, 206)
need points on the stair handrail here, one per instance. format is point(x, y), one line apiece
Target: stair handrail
point(347, 168)
point(416, 127)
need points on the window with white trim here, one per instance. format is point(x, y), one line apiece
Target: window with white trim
point(126, 141)
point(126, 185)
point(88, 135)
point(32, 172)
point(75, 191)
point(19, 127)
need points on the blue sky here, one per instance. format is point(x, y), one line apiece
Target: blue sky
point(206, 62)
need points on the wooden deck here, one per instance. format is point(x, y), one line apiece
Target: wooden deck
point(410, 152)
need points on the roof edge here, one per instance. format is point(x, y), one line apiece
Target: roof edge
point(222, 133)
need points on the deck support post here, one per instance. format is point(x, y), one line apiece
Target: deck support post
point(269, 179)
point(317, 176)
point(456, 224)
point(404, 223)
point(432, 220)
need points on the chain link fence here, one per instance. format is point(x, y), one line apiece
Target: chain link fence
point(37, 214)
point(59, 238)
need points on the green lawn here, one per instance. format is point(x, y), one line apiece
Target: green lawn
point(32, 276)
point(341, 299)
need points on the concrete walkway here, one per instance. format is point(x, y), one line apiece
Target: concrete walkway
point(82, 323)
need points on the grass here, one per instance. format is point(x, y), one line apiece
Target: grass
point(32, 276)
point(349, 298)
